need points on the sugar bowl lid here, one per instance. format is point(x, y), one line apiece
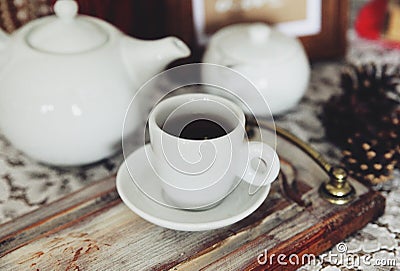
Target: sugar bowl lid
point(254, 42)
point(66, 33)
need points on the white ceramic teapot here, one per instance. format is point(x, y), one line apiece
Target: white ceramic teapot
point(66, 82)
point(275, 63)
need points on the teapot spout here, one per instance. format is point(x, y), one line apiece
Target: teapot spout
point(146, 58)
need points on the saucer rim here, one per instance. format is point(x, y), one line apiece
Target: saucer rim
point(180, 226)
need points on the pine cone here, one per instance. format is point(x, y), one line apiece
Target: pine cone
point(368, 160)
point(372, 155)
point(370, 80)
point(364, 121)
point(364, 101)
point(389, 134)
point(340, 120)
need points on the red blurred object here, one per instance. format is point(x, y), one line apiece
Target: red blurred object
point(373, 22)
point(371, 19)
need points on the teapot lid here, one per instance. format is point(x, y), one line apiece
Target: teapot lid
point(254, 42)
point(66, 33)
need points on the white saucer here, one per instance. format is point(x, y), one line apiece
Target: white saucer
point(236, 206)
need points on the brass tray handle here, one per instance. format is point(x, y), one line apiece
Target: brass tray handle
point(337, 190)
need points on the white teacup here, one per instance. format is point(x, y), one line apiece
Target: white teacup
point(200, 150)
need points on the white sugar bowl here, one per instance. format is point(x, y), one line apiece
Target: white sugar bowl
point(275, 63)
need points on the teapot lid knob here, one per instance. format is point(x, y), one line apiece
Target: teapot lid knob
point(66, 9)
point(259, 32)
point(67, 33)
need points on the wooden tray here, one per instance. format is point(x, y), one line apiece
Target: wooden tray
point(93, 230)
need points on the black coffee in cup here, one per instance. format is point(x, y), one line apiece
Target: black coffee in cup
point(199, 128)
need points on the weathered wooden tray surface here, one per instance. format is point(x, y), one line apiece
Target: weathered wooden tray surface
point(93, 230)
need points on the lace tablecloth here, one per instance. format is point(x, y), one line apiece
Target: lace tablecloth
point(26, 185)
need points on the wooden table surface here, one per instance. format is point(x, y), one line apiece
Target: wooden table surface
point(93, 230)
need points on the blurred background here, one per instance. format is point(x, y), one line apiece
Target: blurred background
point(193, 20)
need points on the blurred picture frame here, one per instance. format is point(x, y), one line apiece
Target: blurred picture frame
point(321, 25)
point(292, 17)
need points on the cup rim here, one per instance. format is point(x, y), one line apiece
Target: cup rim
point(194, 97)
